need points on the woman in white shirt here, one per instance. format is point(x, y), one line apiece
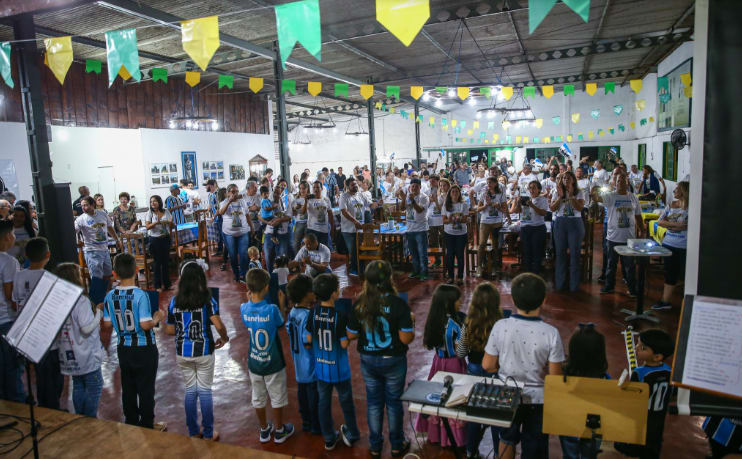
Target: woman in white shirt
point(438, 190)
point(300, 227)
point(158, 221)
point(236, 227)
point(389, 193)
point(455, 217)
point(532, 210)
point(319, 214)
point(569, 230)
point(675, 219)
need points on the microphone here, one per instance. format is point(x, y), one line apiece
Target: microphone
point(447, 383)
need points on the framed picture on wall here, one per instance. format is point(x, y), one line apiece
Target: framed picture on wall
point(236, 172)
point(188, 161)
point(163, 174)
point(673, 106)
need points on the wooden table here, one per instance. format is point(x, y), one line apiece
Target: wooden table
point(80, 436)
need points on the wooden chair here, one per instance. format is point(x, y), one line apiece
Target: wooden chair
point(136, 245)
point(200, 215)
point(85, 273)
point(399, 215)
point(586, 251)
point(201, 247)
point(175, 255)
point(369, 245)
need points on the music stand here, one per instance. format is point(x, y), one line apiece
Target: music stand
point(595, 408)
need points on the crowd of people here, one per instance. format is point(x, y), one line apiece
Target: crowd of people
point(273, 227)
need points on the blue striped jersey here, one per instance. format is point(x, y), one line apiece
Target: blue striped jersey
point(453, 333)
point(179, 214)
point(327, 326)
point(303, 357)
point(125, 307)
point(193, 337)
point(725, 431)
point(263, 321)
point(213, 203)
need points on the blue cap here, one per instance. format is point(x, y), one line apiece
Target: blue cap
point(174, 186)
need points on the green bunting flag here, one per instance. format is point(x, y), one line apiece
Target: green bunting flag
point(663, 89)
point(529, 91)
point(621, 127)
point(569, 90)
point(444, 122)
point(642, 122)
point(490, 125)
point(91, 65)
point(579, 136)
point(463, 124)
point(507, 139)
point(159, 75)
point(442, 90)
point(299, 22)
point(228, 81)
point(611, 130)
point(121, 51)
point(5, 71)
point(538, 9)
point(485, 91)
point(457, 130)
point(556, 120)
point(595, 114)
point(618, 109)
point(393, 91)
point(288, 85)
point(482, 135)
point(341, 89)
point(610, 86)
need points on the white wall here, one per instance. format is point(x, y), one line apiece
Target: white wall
point(15, 148)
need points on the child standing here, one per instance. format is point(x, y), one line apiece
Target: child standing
point(586, 359)
point(522, 347)
point(655, 346)
point(326, 331)
point(80, 350)
point(282, 271)
point(254, 255)
point(11, 387)
point(301, 295)
point(191, 314)
point(49, 379)
point(127, 310)
point(442, 333)
point(266, 364)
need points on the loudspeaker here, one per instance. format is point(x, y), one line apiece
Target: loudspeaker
point(58, 225)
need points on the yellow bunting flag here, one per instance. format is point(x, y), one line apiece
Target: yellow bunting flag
point(525, 139)
point(200, 39)
point(416, 92)
point(590, 88)
point(688, 92)
point(569, 138)
point(601, 133)
point(651, 119)
point(431, 121)
point(476, 125)
point(314, 87)
point(454, 123)
point(640, 104)
point(590, 134)
point(548, 91)
point(685, 79)
point(193, 78)
point(58, 56)
point(495, 137)
point(632, 125)
point(486, 140)
point(575, 118)
point(539, 122)
point(506, 124)
point(367, 90)
point(469, 132)
point(256, 84)
point(124, 74)
point(403, 18)
point(463, 92)
point(636, 85)
point(378, 105)
point(507, 92)
point(517, 139)
point(391, 110)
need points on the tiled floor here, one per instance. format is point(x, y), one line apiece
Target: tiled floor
point(237, 422)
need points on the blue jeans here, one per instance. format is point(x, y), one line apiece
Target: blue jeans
point(532, 239)
point(308, 403)
point(627, 266)
point(322, 238)
point(11, 385)
point(475, 431)
point(417, 242)
point(271, 250)
point(219, 236)
point(86, 390)
point(345, 396)
point(385, 380)
point(579, 448)
point(568, 234)
point(238, 245)
point(300, 230)
point(455, 247)
point(350, 244)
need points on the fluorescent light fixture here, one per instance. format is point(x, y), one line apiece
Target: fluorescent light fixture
point(214, 125)
point(438, 102)
point(451, 92)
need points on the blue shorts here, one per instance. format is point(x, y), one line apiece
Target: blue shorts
point(99, 263)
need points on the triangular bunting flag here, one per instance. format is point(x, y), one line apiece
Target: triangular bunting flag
point(442, 90)
point(601, 132)
point(508, 139)
point(403, 19)
point(642, 122)
point(193, 78)
point(632, 125)
point(517, 139)
point(506, 124)
point(621, 127)
point(463, 124)
point(367, 90)
point(495, 137)
point(610, 86)
point(200, 39)
point(525, 140)
point(590, 88)
point(590, 134)
point(225, 80)
point(569, 138)
point(575, 118)
point(454, 123)
point(377, 105)
point(159, 74)
point(255, 84)
point(59, 56)
point(431, 121)
point(393, 91)
point(688, 92)
point(391, 110)
point(5, 70)
point(617, 109)
point(548, 91)
point(121, 51)
point(463, 92)
point(685, 79)
point(579, 136)
point(539, 122)
point(469, 132)
point(636, 85)
point(611, 130)
point(419, 119)
point(485, 91)
point(538, 9)
point(556, 120)
point(640, 104)
point(651, 119)
point(314, 87)
point(341, 89)
point(507, 92)
point(476, 125)
point(416, 92)
point(299, 22)
point(595, 114)
point(288, 85)
point(529, 91)
point(91, 65)
point(569, 90)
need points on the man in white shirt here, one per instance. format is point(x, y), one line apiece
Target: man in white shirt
point(352, 205)
point(94, 226)
point(549, 184)
point(416, 209)
point(252, 199)
point(525, 176)
point(313, 257)
point(583, 183)
point(624, 216)
point(636, 177)
point(600, 176)
point(492, 208)
point(194, 200)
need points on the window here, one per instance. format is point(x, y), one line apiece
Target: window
point(669, 162)
point(605, 155)
point(642, 155)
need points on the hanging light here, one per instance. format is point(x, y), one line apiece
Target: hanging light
point(189, 123)
point(426, 97)
point(451, 92)
point(490, 114)
point(472, 101)
point(438, 102)
point(172, 124)
point(479, 115)
point(214, 125)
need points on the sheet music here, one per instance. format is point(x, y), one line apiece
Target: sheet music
point(37, 297)
point(713, 360)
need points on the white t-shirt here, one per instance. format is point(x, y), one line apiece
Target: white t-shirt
point(297, 204)
point(528, 217)
point(492, 213)
point(548, 186)
point(673, 238)
point(565, 208)
point(435, 202)
point(389, 194)
point(21, 239)
point(584, 185)
point(283, 275)
point(162, 228)
point(191, 205)
point(234, 221)
point(354, 204)
point(80, 353)
point(253, 200)
point(620, 210)
point(317, 218)
point(524, 180)
point(23, 284)
point(9, 266)
point(459, 209)
point(94, 230)
point(524, 347)
point(636, 179)
point(417, 221)
point(479, 184)
point(601, 177)
point(321, 255)
point(369, 200)
point(282, 211)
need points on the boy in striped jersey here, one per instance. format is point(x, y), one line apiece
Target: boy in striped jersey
point(325, 330)
point(175, 204)
point(127, 310)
